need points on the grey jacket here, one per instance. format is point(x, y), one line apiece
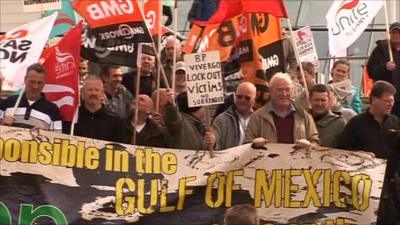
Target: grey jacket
point(227, 130)
point(329, 128)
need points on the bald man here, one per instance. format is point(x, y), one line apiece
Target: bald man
point(148, 133)
point(230, 125)
point(94, 119)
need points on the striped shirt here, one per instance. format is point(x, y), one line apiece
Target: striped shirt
point(41, 113)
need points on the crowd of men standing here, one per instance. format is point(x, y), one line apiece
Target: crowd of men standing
point(107, 112)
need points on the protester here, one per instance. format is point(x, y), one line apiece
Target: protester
point(147, 77)
point(329, 125)
point(377, 131)
point(33, 111)
point(148, 133)
point(83, 69)
point(380, 67)
point(230, 126)
point(169, 56)
point(241, 215)
point(180, 77)
point(187, 128)
point(309, 76)
point(118, 98)
point(340, 72)
point(94, 119)
point(281, 121)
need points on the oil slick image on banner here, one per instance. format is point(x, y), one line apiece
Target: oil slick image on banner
point(49, 178)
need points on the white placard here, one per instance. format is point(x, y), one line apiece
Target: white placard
point(41, 5)
point(204, 79)
point(306, 46)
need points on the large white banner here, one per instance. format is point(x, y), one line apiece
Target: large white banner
point(346, 20)
point(21, 47)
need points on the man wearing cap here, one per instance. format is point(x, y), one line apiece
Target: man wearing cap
point(380, 67)
point(147, 78)
point(180, 77)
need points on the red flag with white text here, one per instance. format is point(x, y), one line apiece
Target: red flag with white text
point(116, 22)
point(62, 66)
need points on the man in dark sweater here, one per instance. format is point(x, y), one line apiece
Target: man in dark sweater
point(377, 131)
point(94, 119)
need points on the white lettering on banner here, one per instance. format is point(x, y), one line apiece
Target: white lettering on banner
point(124, 30)
point(269, 62)
point(104, 9)
point(65, 64)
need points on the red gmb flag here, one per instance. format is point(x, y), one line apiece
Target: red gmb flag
point(115, 22)
point(62, 64)
point(230, 8)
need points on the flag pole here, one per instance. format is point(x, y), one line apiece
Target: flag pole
point(175, 18)
point(159, 65)
point(387, 31)
point(139, 67)
point(17, 102)
point(296, 52)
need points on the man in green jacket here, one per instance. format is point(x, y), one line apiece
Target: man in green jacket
point(329, 124)
point(279, 120)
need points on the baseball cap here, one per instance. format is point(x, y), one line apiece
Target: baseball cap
point(180, 66)
point(394, 26)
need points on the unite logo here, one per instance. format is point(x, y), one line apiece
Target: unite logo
point(104, 9)
point(349, 16)
point(65, 64)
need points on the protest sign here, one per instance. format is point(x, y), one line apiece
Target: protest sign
point(305, 46)
point(204, 79)
point(50, 178)
point(41, 5)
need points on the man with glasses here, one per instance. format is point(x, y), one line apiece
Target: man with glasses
point(279, 120)
point(230, 125)
point(377, 131)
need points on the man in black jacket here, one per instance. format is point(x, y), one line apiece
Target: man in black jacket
point(94, 119)
point(380, 67)
point(377, 131)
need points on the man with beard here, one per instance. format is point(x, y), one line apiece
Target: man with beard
point(33, 111)
point(147, 78)
point(230, 126)
point(94, 119)
point(329, 125)
point(118, 98)
point(377, 131)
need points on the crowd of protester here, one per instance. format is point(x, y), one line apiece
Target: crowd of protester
point(164, 119)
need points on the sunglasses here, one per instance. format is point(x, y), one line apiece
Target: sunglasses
point(247, 98)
